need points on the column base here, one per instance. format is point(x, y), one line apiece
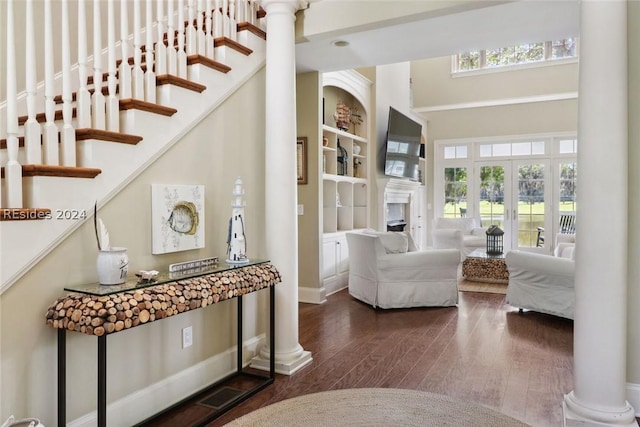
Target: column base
point(284, 365)
point(578, 415)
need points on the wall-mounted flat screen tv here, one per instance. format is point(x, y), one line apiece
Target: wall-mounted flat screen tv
point(402, 146)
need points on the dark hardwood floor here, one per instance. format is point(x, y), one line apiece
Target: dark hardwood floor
point(483, 351)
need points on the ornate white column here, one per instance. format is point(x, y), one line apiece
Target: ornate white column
point(281, 191)
point(599, 395)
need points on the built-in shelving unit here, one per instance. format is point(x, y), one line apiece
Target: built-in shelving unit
point(346, 170)
point(345, 161)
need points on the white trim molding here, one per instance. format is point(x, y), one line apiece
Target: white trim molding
point(633, 397)
point(312, 295)
point(499, 102)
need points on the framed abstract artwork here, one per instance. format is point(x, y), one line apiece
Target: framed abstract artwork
point(177, 218)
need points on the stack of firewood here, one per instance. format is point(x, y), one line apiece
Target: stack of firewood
point(99, 315)
point(492, 270)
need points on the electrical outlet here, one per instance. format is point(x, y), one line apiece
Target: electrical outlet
point(187, 337)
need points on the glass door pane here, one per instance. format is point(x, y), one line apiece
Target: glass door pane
point(568, 178)
point(455, 192)
point(531, 211)
point(491, 195)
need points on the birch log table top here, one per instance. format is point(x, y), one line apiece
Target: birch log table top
point(99, 310)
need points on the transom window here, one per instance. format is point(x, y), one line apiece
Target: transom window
point(455, 152)
point(526, 53)
point(512, 149)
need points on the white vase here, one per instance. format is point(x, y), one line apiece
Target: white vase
point(112, 265)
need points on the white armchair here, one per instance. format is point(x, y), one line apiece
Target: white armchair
point(543, 283)
point(464, 234)
point(386, 271)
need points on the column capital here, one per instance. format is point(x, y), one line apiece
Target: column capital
point(291, 6)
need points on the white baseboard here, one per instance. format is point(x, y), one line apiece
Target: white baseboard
point(312, 295)
point(146, 402)
point(633, 397)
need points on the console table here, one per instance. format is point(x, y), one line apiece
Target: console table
point(99, 311)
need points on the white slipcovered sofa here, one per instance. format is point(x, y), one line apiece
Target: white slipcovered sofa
point(387, 271)
point(464, 234)
point(543, 283)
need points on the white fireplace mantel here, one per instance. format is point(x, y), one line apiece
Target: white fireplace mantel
point(402, 191)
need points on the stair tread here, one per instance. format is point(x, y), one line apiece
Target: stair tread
point(105, 135)
point(226, 41)
point(170, 79)
point(59, 171)
point(208, 62)
point(89, 133)
point(136, 104)
point(248, 26)
point(125, 104)
point(42, 117)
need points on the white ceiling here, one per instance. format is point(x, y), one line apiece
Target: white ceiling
point(495, 25)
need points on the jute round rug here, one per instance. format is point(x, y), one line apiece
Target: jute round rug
point(375, 407)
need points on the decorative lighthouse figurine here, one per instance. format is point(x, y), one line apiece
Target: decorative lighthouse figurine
point(236, 243)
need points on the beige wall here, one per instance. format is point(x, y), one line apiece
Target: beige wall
point(434, 85)
point(633, 344)
point(220, 149)
point(309, 100)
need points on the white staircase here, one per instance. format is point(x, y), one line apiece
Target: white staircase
point(106, 161)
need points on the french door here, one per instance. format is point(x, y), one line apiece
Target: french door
point(515, 195)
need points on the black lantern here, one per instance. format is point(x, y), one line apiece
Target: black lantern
point(494, 240)
point(343, 160)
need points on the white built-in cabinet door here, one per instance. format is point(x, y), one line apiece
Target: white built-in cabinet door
point(335, 262)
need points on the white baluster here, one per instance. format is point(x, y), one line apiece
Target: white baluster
point(209, 50)
point(98, 104)
point(149, 75)
point(124, 70)
point(225, 18)
point(83, 99)
point(241, 11)
point(50, 147)
point(192, 46)
point(137, 76)
point(68, 133)
point(182, 54)
point(233, 23)
point(113, 105)
point(12, 170)
point(172, 54)
point(161, 49)
point(200, 36)
point(32, 132)
point(217, 20)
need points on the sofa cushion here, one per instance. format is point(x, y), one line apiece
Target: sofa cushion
point(466, 225)
point(394, 243)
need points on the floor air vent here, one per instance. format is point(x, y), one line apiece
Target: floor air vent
point(221, 397)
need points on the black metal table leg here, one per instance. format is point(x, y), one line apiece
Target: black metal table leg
point(62, 377)
point(102, 381)
point(239, 336)
point(272, 332)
